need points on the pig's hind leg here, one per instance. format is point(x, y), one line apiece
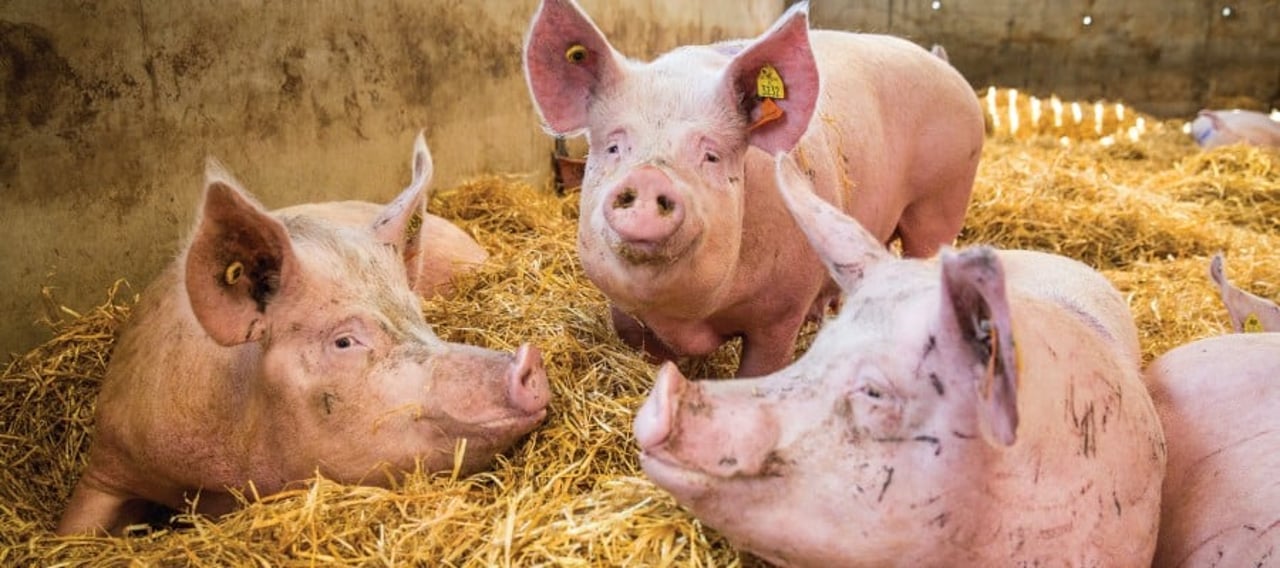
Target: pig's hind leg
point(927, 224)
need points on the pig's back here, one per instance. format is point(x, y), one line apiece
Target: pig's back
point(1218, 401)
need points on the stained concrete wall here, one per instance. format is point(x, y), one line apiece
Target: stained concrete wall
point(110, 107)
point(1166, 57)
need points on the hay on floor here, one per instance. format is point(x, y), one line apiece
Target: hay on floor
point(1149, 214)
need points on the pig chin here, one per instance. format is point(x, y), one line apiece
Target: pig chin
point(655, 253)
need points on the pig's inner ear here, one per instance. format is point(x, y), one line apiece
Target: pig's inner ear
point(974, 295)
point(775, 81)
point(239, 261)
point(566, 60)
point(399, 226)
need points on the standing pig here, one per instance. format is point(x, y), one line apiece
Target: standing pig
point(1248, 312)
point(442, 252)
point(279, 345)
point(1213, 128)
point(680, 225)
point(1217, 398)
point(955, 413)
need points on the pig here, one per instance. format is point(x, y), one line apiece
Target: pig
point(1213, 128)
point(1217, 398)
point(446, 250)
point(1247, 311)
point(679, 225)
point(279, 345)
point(940, 52)
point(955, 412)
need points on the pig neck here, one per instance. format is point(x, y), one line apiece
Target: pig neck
point(203, 422)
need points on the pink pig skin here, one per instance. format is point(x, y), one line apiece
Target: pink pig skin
point(1240, 304)
point(1213, 128)
point(957, 412)
point(277, 346)
point(680, 225)
point(447, 251)
point(1217, 398)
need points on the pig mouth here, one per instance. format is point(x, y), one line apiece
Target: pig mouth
point(656, 253)
point(679, 480)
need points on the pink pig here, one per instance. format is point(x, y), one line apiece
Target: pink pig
point(281, 345)
point(957, 412)
point(1213, 128)
point(679, 223)
point(1248, 312)
point(1218, 399)
point(443, 252)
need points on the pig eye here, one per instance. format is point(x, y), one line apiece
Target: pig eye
point(712, 158)
point(344, 342)
point(612, 149)
point(871, 392)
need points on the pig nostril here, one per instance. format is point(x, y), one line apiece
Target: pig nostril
point(625, 199)
point(665, 205)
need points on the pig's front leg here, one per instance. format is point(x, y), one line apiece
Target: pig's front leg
point(770, 348)
point(635, 334)
point(97, 511)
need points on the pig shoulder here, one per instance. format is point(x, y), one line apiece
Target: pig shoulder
point(1217, 399)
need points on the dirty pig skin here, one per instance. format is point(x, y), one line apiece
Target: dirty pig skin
point(680, 225)
point(283, 344)
point(981, 409)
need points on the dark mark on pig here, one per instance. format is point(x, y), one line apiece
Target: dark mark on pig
point(937, 444)
point(328, 402)
point(849, 268)
point(728, 461)
point(887, 480)
point(962, 435)
point(937, 384)
point(1116, 500)
point(940, 520)
point(774, 465)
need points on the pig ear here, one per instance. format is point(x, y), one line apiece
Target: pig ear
point(844, 246)
point(400, 222)
point(239, 260)
point(775, 80)
point(1249, 313)
point(974, 295)
point(566, 59)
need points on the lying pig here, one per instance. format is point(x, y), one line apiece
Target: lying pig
point(443, 252)
point(955, 413)
point(1217, 398)
point(679, 223)
point(1213, 128)
point(1248, 312)
point(279, 345)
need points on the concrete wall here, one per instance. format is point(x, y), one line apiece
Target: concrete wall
point(110, 107)
point(1165, 57)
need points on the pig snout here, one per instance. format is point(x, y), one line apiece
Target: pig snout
point(527, 387)
point(684, 425)
point(645, 209)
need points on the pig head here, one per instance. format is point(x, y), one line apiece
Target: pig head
point(1213, 128)
point(946, 417)
point(282, 345)
point(441, 250)
point(1249, 313)
point(1217, 398)
point(680, 225)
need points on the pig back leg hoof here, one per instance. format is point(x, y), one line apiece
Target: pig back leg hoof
point(634, 333)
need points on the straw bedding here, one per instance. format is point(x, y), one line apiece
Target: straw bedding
point(1148, 214)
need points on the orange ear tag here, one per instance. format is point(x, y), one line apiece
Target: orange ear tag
point(769, 112)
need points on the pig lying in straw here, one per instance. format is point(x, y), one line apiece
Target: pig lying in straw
point(1217, 398)
point(443, 251)
point(1213, 128)
point(1248, 312)
point(283, 344)
point(680, 225)
point(958, 412)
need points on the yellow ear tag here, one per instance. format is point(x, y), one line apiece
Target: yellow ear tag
point(1252, 324)
point(769, 84)
point(233, 273)
point(577, 53)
